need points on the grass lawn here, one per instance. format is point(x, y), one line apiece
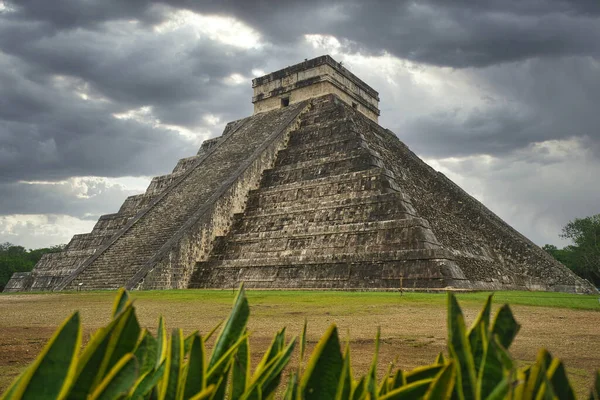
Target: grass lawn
point(412, 325)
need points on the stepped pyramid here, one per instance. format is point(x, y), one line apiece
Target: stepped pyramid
point(309, 192)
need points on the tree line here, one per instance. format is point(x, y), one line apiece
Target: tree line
point(583, 256)
point(15, 258)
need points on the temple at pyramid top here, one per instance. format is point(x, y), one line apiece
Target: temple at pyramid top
point(313, 78)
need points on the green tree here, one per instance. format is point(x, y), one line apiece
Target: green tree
point(15, 258)
point(583, 256)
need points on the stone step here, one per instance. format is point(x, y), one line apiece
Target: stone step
point(383, 275)
point(329, 258)
point(316, 133)
point(301, 230)
point(339, 200)
point(296, 155)
point(359, 161)
point(350, 238)
point(335, 215)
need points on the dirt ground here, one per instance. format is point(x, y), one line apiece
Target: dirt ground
point(411, 332)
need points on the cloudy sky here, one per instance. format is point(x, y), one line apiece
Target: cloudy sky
point(98, 96)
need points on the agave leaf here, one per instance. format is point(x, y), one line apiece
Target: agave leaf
point(440, 359)
point(221, 386)
point(505, 326)
point(195, 374)
point(145, 352)
point(358, 389)
point(89, 371)
point(291, 392)
point(233, 329)
point(500, 391)
point(51, 374)
point(212, 332)
point(205, 394)
point(427, 372)
point(443, 384)
point(8, 395)
point(384, 386)
point(595, 392)
point(162, 342)
point(274, 348)
point(303, 342)
point(460, 350)
point(272, 376)
point(344, 388)
point(324, 368)
point(147, 382)
point(398, 380)
point(241, 370)
point(372, 375)
point(559, 381)
point(478, 333)
point(415, 390)
point(536, 376)
point(123, 339)
point(213, 374)
point(174, 367)
point(121, 300)
point(188, 342)
point(491, 372)
point(118, 381)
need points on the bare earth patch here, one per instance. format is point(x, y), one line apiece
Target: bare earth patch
point(413, 332)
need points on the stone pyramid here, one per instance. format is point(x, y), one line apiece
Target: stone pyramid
point(310, 193)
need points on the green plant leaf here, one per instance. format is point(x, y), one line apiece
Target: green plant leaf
point(303, 342)
point(271, 377)
point(147, 382)
point(559, 381)
point(505, 326)
point(291, 392)
point(118, 381)
point(344, 388)
point(161, 342)
point(173, 372)
point(145, 352)
point(212, 332)
point(537, 375)
point(274, 348)
point(240, 375)
point(460, 350)
point(195, 374)
point(121, 300)
point(398, 380)
point(221, 386)
point(233, 329)
point(440, 359)
point(89, 367)
point(213, 374)
point(413, 391)
point(371, 382)
point(595, 392)
point(188, 342)
point(427, 372)
point(491, 372)
point(51, 374)
point(324, 368)
point(478, 334)
point(123, 339)
point(500, 391)
point(359, 389)
point(443, 384)
point(205, 394)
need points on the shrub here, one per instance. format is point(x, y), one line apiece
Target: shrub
point(123, 360)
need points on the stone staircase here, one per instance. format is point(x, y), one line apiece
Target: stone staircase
point(130, 242)
point(327, 215)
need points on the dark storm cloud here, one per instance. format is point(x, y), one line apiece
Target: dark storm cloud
point(528, 102)
point(458, 34)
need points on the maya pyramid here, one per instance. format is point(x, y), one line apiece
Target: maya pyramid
point(309, 192)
